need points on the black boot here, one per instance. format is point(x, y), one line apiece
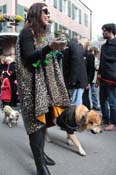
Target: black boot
point(48, 160)
point(36, 144)
point(39, 161)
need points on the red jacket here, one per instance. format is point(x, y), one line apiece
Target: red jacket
point(5, 90)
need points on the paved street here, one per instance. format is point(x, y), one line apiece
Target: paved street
point(16, 158)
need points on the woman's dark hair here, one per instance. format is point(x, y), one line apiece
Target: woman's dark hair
point(34, 19)
point(111, 27)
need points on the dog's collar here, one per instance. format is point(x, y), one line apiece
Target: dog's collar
point(83, 118)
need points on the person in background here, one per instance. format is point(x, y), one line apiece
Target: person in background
point(41, 88)
point(3, 67)
point(107, 77)
point(2, 64)
point(94, 89)
point(89, 62)
point(90, 66)
point(10, 61)
point(74, 71)
point(6, 92)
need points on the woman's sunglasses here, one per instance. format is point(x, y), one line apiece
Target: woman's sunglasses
point(46, 11)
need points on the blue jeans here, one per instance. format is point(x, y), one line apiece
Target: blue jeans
point(108, 102)
point(94, 94)
point(76, 98)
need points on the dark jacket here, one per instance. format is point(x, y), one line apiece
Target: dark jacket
point(67, 120)
point(90, 59)
point(13, 83)
point(108, 60)
point(74, 70)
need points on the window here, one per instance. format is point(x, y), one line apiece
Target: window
point(60, 5)
point(60, 27)
point(74, 12)
point(52, 29)
point(0, 9)
point(69, 8)
point(65, 6)
point(20, 11)
point(55, 27)
point(49, 2)
point(55, 3)
point(73, 34)
point(85, 19)
point(70, 34)
point(80, 16)
point(3, 9)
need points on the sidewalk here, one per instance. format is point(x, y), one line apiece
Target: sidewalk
point(16, 157)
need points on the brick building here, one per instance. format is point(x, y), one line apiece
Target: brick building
point(73, 16)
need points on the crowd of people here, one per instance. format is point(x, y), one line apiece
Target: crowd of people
point(46, 89)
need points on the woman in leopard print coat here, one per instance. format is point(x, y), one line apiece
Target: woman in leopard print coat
point(40, 86)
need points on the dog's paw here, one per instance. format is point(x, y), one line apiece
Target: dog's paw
point(10, 125)
point(70, 142)
point(82, 152)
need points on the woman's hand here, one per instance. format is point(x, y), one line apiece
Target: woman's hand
point(98, 80)
point(58, 44)
point(87, 87)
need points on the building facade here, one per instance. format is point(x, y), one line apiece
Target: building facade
point(73, 16)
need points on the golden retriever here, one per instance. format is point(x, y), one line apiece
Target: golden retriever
point(79, 117)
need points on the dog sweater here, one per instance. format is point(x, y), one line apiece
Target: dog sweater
point(67, 120)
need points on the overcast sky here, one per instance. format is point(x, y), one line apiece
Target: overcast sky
point(103, 11)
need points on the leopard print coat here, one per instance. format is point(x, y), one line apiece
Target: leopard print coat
point(38, 90)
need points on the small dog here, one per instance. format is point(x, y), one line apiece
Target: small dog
point(11, 116)
point(79, 117)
